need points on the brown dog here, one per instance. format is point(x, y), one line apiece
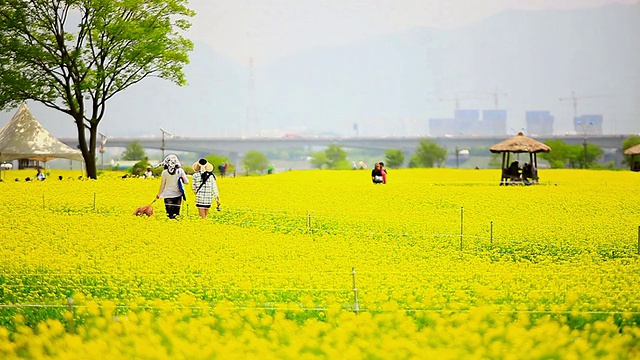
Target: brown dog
point(144, 210)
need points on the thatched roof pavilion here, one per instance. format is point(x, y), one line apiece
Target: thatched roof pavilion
point(519, 144)
point(633, 151)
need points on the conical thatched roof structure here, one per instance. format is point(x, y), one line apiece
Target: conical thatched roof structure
point(634, 150)
point(23, 137)
point(512, 172)
point(520, 144)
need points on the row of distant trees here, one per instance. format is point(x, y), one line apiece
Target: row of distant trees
point(253, 161)
point(428, 154)
point(564, 155)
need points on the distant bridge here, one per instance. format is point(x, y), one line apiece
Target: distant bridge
point(236, 146)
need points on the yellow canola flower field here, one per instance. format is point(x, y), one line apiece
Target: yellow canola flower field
point(438, 263)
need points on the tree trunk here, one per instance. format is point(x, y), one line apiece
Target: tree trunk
point(90, 164)
point(88, 149)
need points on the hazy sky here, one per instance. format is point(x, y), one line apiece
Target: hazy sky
point(267, 29)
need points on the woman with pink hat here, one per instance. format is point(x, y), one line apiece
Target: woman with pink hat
point(205, 186)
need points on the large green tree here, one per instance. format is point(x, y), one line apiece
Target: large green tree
point(134, 151)
point(393, 158)
point(75, 55)
point(336, 157)
point(560, 154)
point(571, 156)
point(255, 161)
point(428, 154)
point(333, 157)
point(319, 159)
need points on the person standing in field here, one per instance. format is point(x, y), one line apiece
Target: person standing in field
point(205, 187)
point(39, 174)
point(376, 174)
point(148, 174)
point(172, 185)
point(383, 170)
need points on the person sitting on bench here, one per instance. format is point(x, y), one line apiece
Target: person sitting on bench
point(514, 171)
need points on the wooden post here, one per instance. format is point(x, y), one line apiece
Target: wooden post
point(71, 320)
point(355, 291)
point(461, 225)
point(491, 233)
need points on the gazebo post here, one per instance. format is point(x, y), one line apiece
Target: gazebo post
point(505, 159)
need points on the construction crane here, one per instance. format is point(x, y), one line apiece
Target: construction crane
point(585, 127)
point(495, 94)
point(575, 99)
point(496, 97)
point(456, 99)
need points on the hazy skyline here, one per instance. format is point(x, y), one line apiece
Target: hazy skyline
point(267, 30)
point(387, 65)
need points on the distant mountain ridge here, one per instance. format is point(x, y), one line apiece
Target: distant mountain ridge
point(392, 85)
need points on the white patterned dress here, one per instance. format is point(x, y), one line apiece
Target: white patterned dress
point(208, 191)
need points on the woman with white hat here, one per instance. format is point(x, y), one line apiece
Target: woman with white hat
point(205, 186)
point(172, 185)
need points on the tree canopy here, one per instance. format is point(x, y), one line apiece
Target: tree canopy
point(428, 154)
point(333, 157)
point(75, 55)
point(134, 151)
point(393, 158)
point(571, 156)
point(255, 161)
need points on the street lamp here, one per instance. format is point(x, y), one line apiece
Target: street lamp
point(163, 133)
point(103, 142)
point(585, 130)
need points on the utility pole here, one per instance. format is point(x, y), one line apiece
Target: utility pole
point(103, 142)
point(252, 119)
point(585, 129)
point(163, 147)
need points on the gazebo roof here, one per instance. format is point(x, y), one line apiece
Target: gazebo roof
point(634, 150)
point(520, 144)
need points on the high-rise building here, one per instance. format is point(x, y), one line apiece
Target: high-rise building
point(539, 123)
point(494, 122)
point(588, 124)
point(468, 121)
